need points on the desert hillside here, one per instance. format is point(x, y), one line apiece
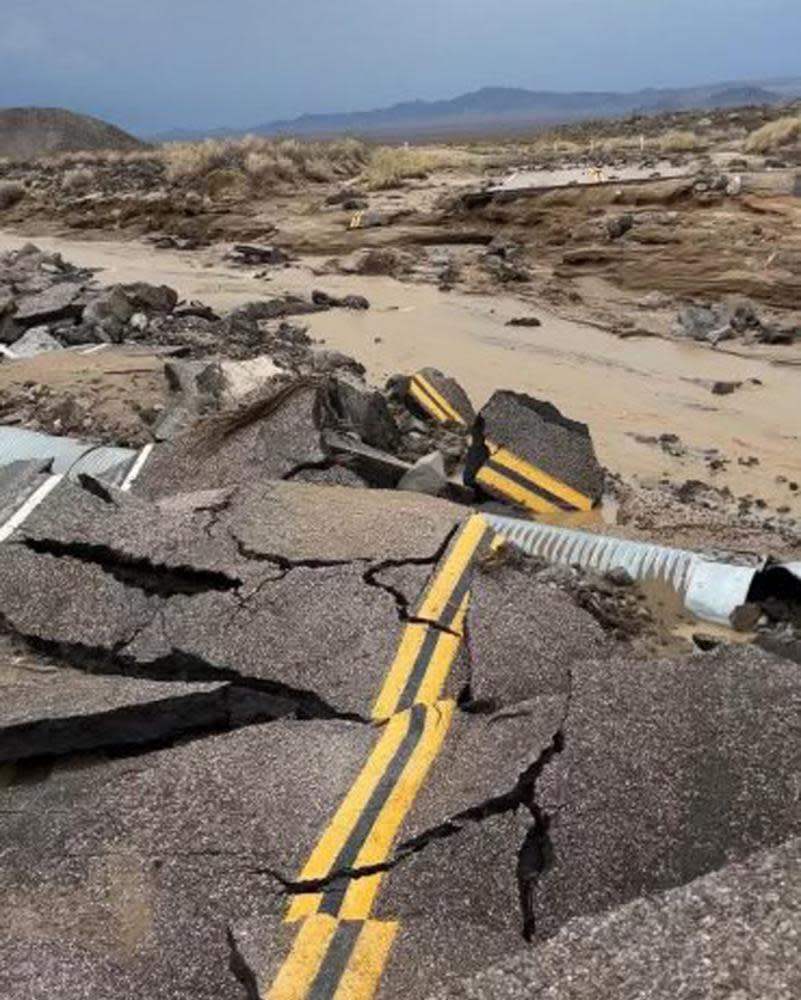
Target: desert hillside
point(28, 132)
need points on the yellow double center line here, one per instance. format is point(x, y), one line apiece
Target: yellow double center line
point(526, 484)
point(433, 402)
point(339, 952)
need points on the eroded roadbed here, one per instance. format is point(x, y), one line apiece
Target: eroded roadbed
point(293, 740)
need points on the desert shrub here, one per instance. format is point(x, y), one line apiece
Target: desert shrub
point(266, 163)
point(774, 135)
point(11, 192)
point(679, 141)
point(78, 179)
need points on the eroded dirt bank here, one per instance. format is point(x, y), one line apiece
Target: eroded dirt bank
point(630, 391)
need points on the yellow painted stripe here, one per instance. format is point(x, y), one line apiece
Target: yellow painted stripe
point(395, 682)
point(514, 491)
point(447, 648)
point(358, 899)
point(546, 482)
point(300, 969)
point(434, 603)
point(336, 834)
point(360, 979)
point(440, 400)
point(438, 596)
point(428, 404)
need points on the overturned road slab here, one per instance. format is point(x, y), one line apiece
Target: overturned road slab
point(526, 452)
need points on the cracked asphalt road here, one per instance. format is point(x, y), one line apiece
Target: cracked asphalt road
point(256, 740)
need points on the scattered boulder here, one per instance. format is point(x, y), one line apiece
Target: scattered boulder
point(345, 302)
point(524, 321)
point(619, 225)
point(254, 255)
point(365, 411)
point(37, 340)
point(107, 315)
point(427, 475)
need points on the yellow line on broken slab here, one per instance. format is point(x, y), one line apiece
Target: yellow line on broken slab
point(360, 977)
point(450, 410)
point(296, 976)
point(428, 404)
point(557, 488)
point(436, 600)
point(514, 491)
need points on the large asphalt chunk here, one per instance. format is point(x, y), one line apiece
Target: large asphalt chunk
point(268, 440)
point(319, 631)
point(455, 905)
point(66, 602)
point(48, 710)
point(142, 862)
point(120, 532)
point(729, 934)
point(525, 451)
point(303, 522)
point(524, 637)
point(668, 770)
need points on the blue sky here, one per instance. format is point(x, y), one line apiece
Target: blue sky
point(150, 65)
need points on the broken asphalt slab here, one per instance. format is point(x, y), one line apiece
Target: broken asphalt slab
point(269, 440)
point(274, 588)
point(440, 398)
point(442, 920)
point(526, 452)
point(144, 861)
point(731, 933)
point(50, 711)
point(669, 770)
point(513, 619)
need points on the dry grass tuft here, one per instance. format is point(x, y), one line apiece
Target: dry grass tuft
point(264, 163)
point(79, 179)
point(680, 142)
point(774, 135)
point(390, 166)
point(11, 192)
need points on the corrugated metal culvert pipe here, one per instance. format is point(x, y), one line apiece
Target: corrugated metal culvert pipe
point(711, 590)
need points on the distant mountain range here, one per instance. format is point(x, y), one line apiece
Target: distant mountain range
point(506, 108)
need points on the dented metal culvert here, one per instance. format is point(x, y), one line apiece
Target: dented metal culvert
point(69, 456)
point(711, 590)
